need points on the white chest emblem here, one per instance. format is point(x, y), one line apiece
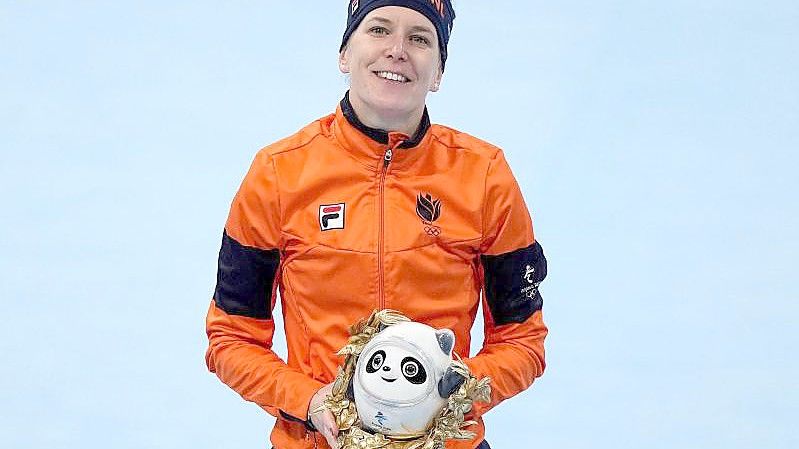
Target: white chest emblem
point(331, 216)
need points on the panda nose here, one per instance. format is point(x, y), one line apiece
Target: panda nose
point(386, 368)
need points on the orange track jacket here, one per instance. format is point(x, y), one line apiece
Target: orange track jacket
point(342, 219)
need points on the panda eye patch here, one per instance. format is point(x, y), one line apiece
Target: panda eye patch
point(376, 361)
point(413, 371)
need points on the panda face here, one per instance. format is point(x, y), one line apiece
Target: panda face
point(395, 384)
point(410, 368)
point(397, 373)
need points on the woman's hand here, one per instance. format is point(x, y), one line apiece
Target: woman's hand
point(320, 416)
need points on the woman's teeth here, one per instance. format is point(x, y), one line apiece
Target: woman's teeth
point(392, 76)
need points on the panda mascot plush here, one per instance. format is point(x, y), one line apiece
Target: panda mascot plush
point(403, 378)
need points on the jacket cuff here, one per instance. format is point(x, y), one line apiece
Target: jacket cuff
point(308, 424)
point(302, 395)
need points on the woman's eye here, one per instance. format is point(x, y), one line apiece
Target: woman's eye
point(420, 40)
point(378, 30)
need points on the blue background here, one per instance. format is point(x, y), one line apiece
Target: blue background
point(655, 143)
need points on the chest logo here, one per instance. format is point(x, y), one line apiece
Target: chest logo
point(331, 216)
point(429, 209)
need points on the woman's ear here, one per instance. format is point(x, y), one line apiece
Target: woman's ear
point(343, 61)
point(436, 80)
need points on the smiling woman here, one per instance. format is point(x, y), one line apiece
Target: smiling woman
point(393, 61)
point(373, 207)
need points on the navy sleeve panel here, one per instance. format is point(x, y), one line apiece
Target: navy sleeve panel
point(511, 283)
point(244, 279)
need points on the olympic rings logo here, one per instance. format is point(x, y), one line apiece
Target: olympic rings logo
point(432, 230)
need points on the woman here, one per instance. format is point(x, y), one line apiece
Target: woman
point(368, 208)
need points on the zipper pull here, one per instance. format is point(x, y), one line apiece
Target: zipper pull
point(387, 158)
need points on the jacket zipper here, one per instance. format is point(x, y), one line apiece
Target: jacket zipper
point(381, 233)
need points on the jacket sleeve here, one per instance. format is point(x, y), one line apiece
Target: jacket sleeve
point(512, 266)
point(239, 322)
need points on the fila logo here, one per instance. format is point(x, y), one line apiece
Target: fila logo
point(353, 6)
point(331, 216)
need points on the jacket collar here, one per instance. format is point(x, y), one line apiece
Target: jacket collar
point(379, 135)
point(369, 145)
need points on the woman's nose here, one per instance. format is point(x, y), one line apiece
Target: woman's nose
point(396, 47)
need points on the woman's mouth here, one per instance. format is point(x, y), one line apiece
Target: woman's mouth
point(392, 76)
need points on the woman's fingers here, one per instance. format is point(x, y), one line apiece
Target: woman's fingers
point(321, 418)
point(329, 428)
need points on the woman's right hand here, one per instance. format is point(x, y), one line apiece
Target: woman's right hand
point(320, 416)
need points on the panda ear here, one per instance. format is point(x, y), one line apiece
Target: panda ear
point(446, 340)
point(449, 383)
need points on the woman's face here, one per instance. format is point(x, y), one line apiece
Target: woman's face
point(393, 61)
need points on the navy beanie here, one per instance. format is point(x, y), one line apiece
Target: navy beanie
point(439, 12)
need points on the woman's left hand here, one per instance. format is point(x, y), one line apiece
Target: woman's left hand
point(320, 416)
